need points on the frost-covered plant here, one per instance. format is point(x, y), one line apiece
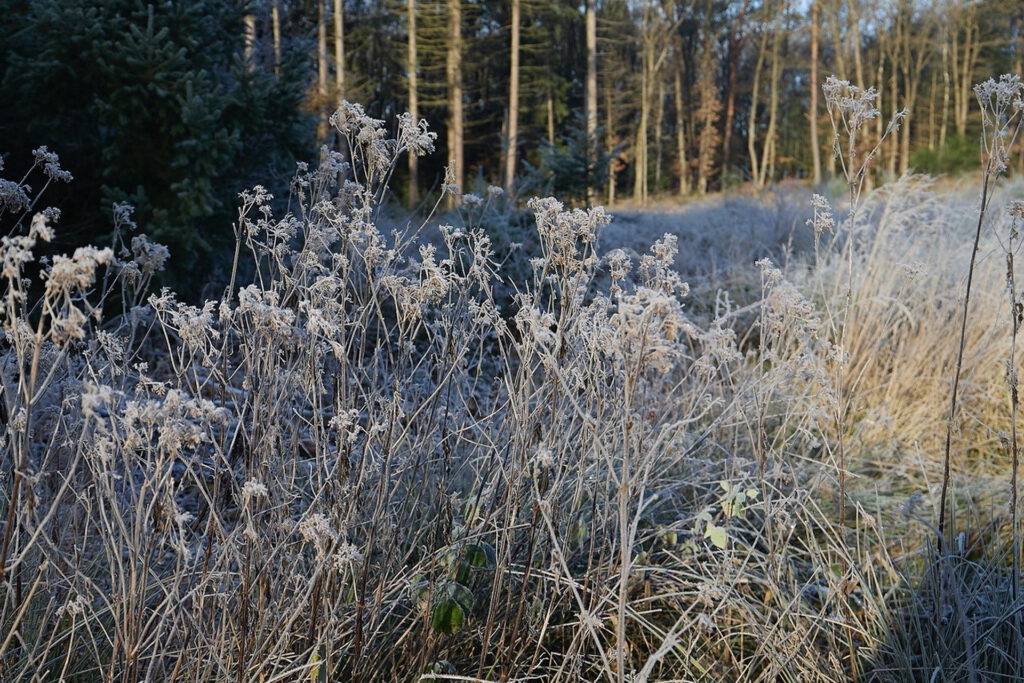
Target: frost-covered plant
point(1001, 109)
point(360, 450)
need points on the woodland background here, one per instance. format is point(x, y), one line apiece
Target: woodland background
point(175, 105)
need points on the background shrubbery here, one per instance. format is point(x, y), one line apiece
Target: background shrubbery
point(152, 104)
point(959, 155)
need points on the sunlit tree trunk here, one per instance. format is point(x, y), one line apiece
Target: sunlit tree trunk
point(275, 29)
point(684, 176)
point(771, 137)
point(894, 99)
point(943, 126)
point(855, 39)
point(550, 109)
point(411, 67)
point(609, 136)
point(339, 50)
point(321, 71)
point(249, 21)
point(659, 124)
point(755, 161)
point(453, 70)
point(642, 132)
point(963, 64)
point(591, 90)
point(932, 109)
point(839, 32)
point(511, 139)
point(815, 146)
point(640, 146)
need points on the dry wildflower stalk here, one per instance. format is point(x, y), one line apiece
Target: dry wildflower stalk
point(1001, 106)
point(850, 109)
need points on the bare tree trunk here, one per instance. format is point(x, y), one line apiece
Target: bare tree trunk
point(710, 107)
point(512, 130)
point(659, 123)
point(894, 98)
point(879, 125)
point(917, 44)
point(640, 146)
point(910, 82)
point(609, 136)
point(730, 107)
point(838, 42)
point(964, 71)
point(249, 21)
point(954, 58)
point(858, 61)
point(932, 109)
point(815, 146)
point(591, 94)
point(275, 29)
point(945, 91)
point(321, 72)
point(736, 43)
point(550, 105)
point(684, 178)
point(339, 50)
point(770, 151)
point(755, 162)
point(838, 46)
point(411, 67)
point(453, 69)
point(1018, 59)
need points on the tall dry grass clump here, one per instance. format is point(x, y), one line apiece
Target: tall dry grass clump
point(369, 461)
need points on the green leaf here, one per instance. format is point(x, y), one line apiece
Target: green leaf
point(464, 573)
point(318, 672)
point(461, 595)
point(481, 555)
point(447, 617)
point(314, 671)
point(717, 535)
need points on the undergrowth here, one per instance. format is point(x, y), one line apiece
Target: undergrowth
point(380, 457)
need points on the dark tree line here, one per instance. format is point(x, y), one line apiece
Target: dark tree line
point(176, 105)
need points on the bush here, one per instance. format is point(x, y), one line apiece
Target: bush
point(959, 155)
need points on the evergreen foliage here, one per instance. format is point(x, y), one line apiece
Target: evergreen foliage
point(151, 104)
